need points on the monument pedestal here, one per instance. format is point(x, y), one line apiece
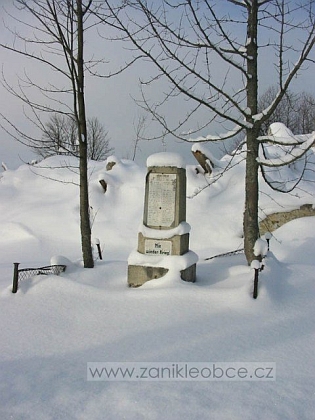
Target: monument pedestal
point(163, 242)
point(139, 274)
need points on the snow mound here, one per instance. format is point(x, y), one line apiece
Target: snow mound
point(54, 325)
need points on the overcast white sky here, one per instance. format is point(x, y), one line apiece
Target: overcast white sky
point(110, 100)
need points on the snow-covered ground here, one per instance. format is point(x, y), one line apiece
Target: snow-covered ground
point(53, 326)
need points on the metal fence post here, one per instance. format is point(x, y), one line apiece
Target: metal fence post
point(15, 277)
point(99, 251)
point(97, 242)
point(255, 294)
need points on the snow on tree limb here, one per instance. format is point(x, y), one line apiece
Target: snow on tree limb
point(288, 156)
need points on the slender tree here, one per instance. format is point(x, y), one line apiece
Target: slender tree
point(55, 40)
point(60, 136)
point(208, 54)
point(99, 143)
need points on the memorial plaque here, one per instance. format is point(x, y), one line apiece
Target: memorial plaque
point(162, 240)
point(156, 247)
point(161, 199)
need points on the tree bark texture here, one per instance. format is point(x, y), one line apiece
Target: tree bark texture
point(82, 132)
point(250, 220)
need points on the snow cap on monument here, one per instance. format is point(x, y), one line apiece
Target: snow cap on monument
point(166, 159)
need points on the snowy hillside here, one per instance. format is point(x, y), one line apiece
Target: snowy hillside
point(54, 326)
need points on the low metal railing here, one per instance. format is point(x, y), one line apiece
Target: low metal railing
point(24, 273)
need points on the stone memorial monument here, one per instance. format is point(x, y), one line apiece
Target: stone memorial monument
point(163, 240)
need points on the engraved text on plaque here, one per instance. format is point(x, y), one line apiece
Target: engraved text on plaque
point(161, 200)
point(158, 247)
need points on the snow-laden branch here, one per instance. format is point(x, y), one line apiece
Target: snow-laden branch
point(217, 137)
point(288, 156)
point(279, 134)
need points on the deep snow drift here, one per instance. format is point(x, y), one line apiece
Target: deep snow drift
point(54, 325)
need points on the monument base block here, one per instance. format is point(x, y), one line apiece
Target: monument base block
point(138, 274)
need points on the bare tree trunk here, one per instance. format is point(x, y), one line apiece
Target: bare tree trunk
point(250, 221)
point(84, 210)
point(82, 132)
